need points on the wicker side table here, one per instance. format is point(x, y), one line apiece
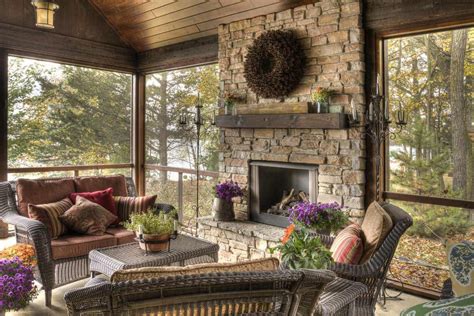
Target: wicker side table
point(184, 250)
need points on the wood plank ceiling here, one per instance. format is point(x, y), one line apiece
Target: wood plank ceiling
point(145, 24)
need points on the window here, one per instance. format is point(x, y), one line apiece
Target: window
point(66, 115)
point(431, 76)
point(171, 149)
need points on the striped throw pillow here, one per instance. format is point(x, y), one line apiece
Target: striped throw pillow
point(128, 205)
point(49, 214)
point(347, 246)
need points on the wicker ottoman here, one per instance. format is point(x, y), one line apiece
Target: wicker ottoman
point(184, 250)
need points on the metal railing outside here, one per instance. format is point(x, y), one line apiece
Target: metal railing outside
point(180, 181)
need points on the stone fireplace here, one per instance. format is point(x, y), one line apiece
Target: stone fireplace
point(331, 34)
point(275, 187)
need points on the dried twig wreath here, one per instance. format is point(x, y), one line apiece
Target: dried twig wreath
point(274, 64)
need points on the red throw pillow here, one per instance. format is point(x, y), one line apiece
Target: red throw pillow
point(347, 246)
point(104, 198)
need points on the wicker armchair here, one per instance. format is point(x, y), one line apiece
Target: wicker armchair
point(50, 273)
point(241, 293)
point(373, 272)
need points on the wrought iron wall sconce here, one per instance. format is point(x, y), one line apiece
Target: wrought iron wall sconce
point(376, 123)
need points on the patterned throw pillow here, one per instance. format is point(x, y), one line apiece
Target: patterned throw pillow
point(49, 214)
point(87, 217)
point(128, 205)
point(347, 246)
point(461, 266)
point(104, 198)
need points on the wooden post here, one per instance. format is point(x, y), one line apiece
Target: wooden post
point(3, 115)
point(139, 132)
point(180, 196)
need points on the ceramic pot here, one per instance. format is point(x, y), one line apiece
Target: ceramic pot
point(223, 210)
point(162, 244)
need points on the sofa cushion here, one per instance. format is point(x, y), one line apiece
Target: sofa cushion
point(128, 205)
point(98, 183)
point(41, 191)
point(49, 214)
point(104, 198)
point(121, 234)
point(87, 217)
point(69, 246)
point(375, 227)
point(347, 246)
point(267, 264)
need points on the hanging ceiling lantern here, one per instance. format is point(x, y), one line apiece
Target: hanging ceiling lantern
point(45, 13)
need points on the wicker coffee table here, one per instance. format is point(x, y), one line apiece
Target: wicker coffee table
point(184, 250)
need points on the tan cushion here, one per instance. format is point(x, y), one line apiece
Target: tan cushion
point(122, 235)
point(70, 246)
point(49, 214)
point(267, 264)
point(87, 217)
point(42, 191)
point(375, 227)
point(99, 183)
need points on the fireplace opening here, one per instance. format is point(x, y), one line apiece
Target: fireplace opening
point(275, 187)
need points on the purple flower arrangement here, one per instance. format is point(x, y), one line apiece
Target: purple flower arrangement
point(228, 190)
point(16, 285)
point(325, 217)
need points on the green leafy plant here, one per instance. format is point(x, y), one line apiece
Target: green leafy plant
point(321, 95)
point(299, 249)
point(155, 224)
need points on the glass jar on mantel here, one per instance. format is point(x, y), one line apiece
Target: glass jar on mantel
point(322, 107)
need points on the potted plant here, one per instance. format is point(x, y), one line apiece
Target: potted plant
point(17, 287)
point(230, 99)
point(153, 230)
point(300, 250)
point(26, 253)
point(322, 217)
point(321, 98)
point(223, 208)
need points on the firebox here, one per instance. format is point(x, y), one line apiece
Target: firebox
point(275, 187)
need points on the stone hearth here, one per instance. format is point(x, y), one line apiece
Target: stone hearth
point(240, 240)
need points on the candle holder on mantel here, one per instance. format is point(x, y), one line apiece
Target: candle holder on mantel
point(198, 122)
point(377, 126)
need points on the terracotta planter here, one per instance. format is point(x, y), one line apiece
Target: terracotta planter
point(162, 242)
point(223, 210)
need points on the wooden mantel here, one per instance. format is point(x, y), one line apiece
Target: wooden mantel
point(307, 120)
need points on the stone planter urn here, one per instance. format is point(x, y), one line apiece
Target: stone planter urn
point(155, 243)
point(223, 210)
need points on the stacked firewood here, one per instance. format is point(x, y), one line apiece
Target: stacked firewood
point(288, 200)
